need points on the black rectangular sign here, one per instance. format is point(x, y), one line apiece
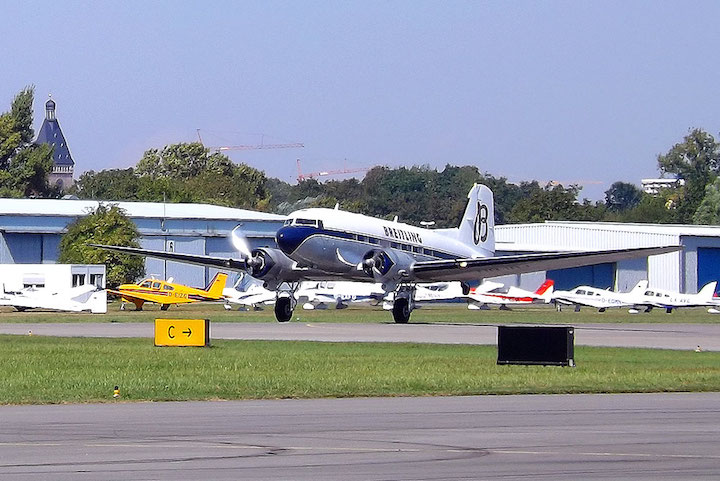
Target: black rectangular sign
point(544, 345)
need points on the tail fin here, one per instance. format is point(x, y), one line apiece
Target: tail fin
point(639, 288)
point(708, 291)
point(478, 223)
point(546, 289)
point(215, 289)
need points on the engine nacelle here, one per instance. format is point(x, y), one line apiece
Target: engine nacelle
point(271, 266)
point(387, 267)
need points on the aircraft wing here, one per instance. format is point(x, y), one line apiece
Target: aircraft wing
point(156, 297)
point(474, 268)
point(200, 260)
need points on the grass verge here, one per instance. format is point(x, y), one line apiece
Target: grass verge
point(54, 370)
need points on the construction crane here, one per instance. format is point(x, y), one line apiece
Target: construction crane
point(323, 173)
point(261, 145)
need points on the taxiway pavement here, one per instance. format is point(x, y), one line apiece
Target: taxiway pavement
point(663, 336)
point(558, 437)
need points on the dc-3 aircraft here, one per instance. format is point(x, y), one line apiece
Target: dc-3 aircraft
point(600, 299)
point(330, 244)
point(166, 293)
point(493, 293)
point(76, 299)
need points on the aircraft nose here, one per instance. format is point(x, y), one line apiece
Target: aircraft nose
point(288, 238)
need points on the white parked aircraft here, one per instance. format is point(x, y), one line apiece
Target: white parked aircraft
point(669, 300)
point(601, 299)
point(339, 294)
point(248, 293)
point(329, 244)
point(481, 296)
point(76, 299)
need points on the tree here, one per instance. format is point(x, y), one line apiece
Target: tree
point(108, 225)
point(697, 160)
point(554, 202)
point(24, 166)
point(622, 196)
point(709, 210)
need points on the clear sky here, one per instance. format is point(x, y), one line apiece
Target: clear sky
point(574, 91)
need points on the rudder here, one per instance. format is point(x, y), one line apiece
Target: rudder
point(478, 224)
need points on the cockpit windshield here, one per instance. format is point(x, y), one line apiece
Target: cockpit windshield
point(304, 222)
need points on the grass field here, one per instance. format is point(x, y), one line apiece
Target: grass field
point(54, 370)
point(453, 313)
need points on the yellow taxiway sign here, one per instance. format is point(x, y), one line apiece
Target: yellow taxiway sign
point(182, 332)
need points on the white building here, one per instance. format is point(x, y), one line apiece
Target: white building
point(53, 277)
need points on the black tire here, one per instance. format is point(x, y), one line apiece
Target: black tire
point(401, 310)
point(283, 309)
point(165, 307)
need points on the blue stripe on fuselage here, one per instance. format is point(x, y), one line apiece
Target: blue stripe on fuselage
point(289, 238)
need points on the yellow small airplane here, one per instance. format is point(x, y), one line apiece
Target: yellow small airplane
point(166, 292)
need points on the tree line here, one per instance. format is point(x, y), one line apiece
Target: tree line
point(189, 172)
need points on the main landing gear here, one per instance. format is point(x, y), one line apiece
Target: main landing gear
point(404, 303)
point(285, 303)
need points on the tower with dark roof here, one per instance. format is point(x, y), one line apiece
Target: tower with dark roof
point(63, 163)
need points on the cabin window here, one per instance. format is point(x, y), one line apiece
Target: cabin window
point(362, 238)
point(156, 285)
point(649, 293)
point(168, 288)
point(146, 284)
point(287, 222)
point(78, 280)
point(417, 249)
point(580, 292)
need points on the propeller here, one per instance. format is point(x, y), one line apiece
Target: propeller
point(239, 241)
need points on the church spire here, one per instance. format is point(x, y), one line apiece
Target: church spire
point(50, 108)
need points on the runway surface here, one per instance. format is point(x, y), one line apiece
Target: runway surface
point(566, 437)
point(666, 336)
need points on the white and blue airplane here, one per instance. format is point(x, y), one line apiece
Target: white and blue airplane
point(330, 244)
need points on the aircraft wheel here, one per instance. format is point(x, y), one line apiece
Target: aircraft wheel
point(165, 307)
point(283, 309)
point(401, 310)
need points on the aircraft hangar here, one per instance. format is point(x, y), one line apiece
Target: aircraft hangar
point(685, 271)
point(30, 231)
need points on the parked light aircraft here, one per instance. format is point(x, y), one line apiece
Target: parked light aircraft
point(330, 244)
point(247, 293)
point(166, 293)
point(481, 296)
point(322, 294)
point(669, 300)
point(601, 299)
point(76, 299)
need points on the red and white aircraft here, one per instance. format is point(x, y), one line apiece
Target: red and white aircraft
point(494, 293)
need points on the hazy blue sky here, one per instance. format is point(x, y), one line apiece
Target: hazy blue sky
point(561, 90)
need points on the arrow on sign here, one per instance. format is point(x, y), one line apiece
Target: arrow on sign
point(188, 332)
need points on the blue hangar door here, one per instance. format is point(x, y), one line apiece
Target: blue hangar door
point(708, 262)
point(601, 276)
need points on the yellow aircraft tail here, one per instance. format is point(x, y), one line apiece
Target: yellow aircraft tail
point(216, 286)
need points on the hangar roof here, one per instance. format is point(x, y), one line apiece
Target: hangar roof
point(74, 208)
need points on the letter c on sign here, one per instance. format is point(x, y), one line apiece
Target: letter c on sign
point(170, 332)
